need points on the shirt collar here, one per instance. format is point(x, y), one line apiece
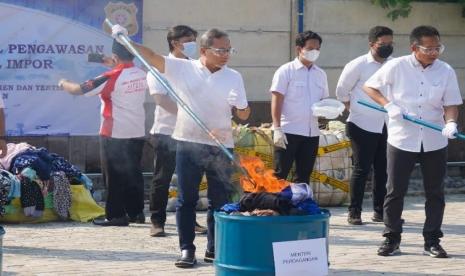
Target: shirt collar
point(298, 64)
point(172, 56)
point(122, 66)
point(414, 61)
point(199, 64)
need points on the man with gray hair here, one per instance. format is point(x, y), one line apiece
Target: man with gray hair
point(211, 90)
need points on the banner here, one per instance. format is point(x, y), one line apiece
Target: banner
point(44, 41)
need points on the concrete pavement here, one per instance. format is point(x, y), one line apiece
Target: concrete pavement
point(69, 248)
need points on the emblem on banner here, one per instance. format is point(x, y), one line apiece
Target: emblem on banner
point(122, 14)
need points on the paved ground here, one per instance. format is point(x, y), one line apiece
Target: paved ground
point(84, 249)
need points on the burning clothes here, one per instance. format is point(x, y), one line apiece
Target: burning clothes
point(295, 199)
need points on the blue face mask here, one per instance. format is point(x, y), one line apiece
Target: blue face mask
point(190, 49)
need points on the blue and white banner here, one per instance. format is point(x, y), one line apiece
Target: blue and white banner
point(44, 41)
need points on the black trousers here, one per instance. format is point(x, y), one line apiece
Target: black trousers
point(122, 174)
point(368, 150)
point(164, 163)
point(433, 167)
point(193, 160)
point(302, 150)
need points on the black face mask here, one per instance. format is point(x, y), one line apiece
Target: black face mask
point(384, 51)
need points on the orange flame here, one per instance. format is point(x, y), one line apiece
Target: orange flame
point(264, 178)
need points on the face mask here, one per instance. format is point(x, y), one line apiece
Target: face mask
point(190, 49)
point(311, 55)
point(384, 51)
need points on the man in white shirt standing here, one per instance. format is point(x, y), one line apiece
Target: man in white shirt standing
point(211, 89)
point(366, 127)
point(181, 43)
point(425, 87)
point(296, 86)
point(122, 135)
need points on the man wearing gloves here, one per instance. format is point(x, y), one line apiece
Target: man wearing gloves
point(296, 86)
point(211, 90)
point(425, 87)
point(181, 42)
point(365, 127)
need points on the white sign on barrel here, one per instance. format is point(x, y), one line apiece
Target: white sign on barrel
point(302, 257)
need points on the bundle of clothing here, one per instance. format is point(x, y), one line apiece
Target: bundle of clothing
point(295, 199)
point(33, 174)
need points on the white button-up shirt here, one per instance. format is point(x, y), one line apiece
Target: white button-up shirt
point(209, 95)
point(164, 121)
point(423, 92)
point(301, 88)
point(349, 88)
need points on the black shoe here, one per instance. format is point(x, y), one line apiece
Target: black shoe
point(157, 231)
point(121, 221)
point(377, 217)
point(140, 219)
point(389, 247)
point(355, 218)
point(187, 259)
point(209, 257)
point(199, 229)
point(435, 251)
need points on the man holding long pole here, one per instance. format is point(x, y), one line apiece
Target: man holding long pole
point(181, 42)
point(210, 89)
point(425, 87)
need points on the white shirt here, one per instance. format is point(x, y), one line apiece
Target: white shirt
point(301, 88)
point(209, 95)
point(123, 114)
point(164, 121)
point(423, 92)
point(349, 88)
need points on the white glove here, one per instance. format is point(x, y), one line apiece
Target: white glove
point(449, 130)
point(279, 138)
point(394, 111)
point(116, 30)
point(61, 82)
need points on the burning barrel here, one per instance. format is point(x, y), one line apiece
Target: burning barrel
point(244, 244)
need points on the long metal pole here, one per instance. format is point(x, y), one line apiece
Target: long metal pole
point(180, 102)
point(410, 118)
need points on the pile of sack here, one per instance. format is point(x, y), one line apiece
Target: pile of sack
point(333, 166)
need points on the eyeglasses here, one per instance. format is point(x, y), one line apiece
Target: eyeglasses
point(222, 51)
point(431, 50)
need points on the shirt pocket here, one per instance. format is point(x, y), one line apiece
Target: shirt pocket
point(297, 89)
point(436, 93)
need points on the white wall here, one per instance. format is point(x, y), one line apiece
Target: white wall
point(344, 25)
point(261, 31)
